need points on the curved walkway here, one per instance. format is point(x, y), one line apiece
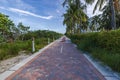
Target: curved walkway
point(60, 61)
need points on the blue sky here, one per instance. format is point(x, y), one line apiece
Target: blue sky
point(38, 14)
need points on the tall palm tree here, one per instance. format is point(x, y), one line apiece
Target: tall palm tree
point(112, 4)
point(68, 23)
point(94, 25)
point(105, 18)
point(68, 2)
point(113, 20)
point(75, 18)
point(117, 5)
point(69, 17)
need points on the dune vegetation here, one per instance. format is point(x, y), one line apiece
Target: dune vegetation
point(14, 39)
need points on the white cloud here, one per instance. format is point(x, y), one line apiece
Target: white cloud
point(29, 13)
point(26, 12)
point(2, 8)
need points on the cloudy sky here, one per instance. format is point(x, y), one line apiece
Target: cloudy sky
point(38, 14)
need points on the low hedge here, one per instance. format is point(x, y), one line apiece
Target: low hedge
point(104, 46)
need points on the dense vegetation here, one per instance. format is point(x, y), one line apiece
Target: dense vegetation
point(102, 45)
point(14, 39)
point(9, 49)
point(77, 20)
point(100, 34)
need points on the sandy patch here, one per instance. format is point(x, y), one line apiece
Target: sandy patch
point(8, 63)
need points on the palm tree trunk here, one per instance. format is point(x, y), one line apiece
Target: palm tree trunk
point(113, 20)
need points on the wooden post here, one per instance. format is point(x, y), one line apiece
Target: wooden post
point(33, 45)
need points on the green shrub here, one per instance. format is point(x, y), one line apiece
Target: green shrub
point(104, 46)
point(13, 49)
point(41, 39)
point(40, 43)
point(2, 54)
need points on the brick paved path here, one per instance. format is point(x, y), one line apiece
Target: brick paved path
point(61, 61)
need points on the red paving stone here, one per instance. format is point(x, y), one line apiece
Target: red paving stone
point(54, 64)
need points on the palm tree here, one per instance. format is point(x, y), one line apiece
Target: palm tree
point(113, 20)
point(75, 18)
point(68, 2)
point(117, 5)
point(95, 23)
point(69, 18)
point(118, 20)
point(67, 22)
point(112, 4)
point(105, 18)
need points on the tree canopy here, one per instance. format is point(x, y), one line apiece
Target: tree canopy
point(77, 20)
